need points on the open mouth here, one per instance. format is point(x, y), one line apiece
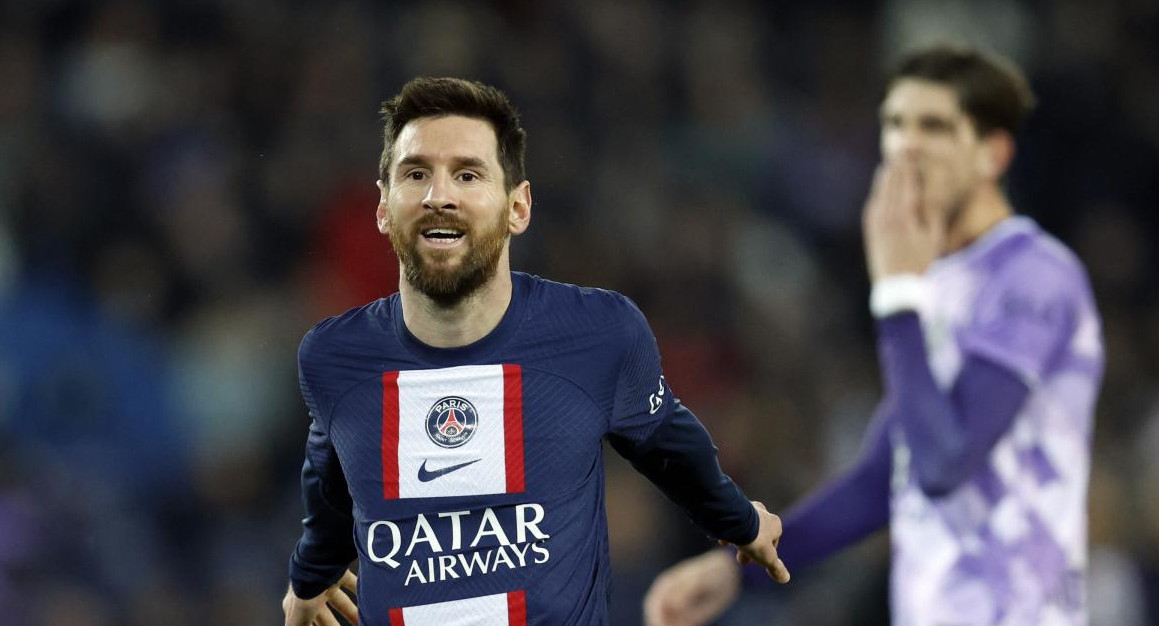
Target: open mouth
point(442, 236)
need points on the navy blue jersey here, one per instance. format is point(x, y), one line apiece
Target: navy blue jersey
point(469, 481)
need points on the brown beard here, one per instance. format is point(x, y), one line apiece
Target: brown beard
point(449, 286)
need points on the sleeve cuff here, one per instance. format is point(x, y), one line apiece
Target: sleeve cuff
point(898, 293)
point(308, 581)
point(743, 532)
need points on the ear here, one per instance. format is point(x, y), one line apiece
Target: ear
point(382, 214)
point(996, 155)
point(519, 213)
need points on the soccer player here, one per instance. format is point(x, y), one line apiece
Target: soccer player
point(989, 342)
point(455, 443)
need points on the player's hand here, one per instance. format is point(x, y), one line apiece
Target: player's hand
point(904, 223)
point(316, 610)
point(693, 592)
point(763, 549)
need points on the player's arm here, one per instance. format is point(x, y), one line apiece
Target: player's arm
point(856, 503)
point(326, 547)
point(318, 565)
point(680, 459)
point(842, 512)
point(950, 435)
point(667, 444)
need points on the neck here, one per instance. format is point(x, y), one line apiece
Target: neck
point(983, 210)
point(462, 323)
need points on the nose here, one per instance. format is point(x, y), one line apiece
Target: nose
point(905, 143)
point(912, 146)
point(440, 194)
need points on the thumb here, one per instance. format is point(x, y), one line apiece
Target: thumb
point(929, 211)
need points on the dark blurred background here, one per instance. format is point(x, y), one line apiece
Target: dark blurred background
point(187, 186)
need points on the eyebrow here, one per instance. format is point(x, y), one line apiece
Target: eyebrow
point(458, 161)
point(885, 115)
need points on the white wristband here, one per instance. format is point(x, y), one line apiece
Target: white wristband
point(897, 293)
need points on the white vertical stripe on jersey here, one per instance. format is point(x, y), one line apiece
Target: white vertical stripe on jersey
point(503, 609)
point(418, 391)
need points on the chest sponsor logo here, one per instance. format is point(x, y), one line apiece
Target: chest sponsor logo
point(452, 421)
point(436, 547)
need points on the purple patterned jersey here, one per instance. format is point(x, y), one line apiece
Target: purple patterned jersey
point(1008, 547)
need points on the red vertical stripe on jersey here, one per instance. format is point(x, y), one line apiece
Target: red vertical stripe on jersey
point(396, 618)
point(516, 608)
point(513, 426)
point(390, 444)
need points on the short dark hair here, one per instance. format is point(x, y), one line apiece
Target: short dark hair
point(438, 97)
point(990, 89)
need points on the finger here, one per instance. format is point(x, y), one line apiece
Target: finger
point(891, 193)
point(775, 524)
point(878, 185)
point(298, 616)
point(779, 572)
point(909, 194)
point(345, 606)
point(876, 189)
point(349, 582)
point(880, 217)
point(931, 212)
point(326, 618)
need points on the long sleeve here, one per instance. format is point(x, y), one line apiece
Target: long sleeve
point(667, 444)
point(326, 547)
point(949, 435)
point(680, 459)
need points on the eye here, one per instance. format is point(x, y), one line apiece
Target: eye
point(937, 125)
point(415, 175)
point(468, 177)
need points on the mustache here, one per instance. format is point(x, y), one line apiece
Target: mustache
point(441, 220)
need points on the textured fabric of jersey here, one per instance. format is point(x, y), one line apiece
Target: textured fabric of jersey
point(472, 477)
point(1009, 546)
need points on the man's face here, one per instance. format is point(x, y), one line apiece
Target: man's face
point(445, 207)
point(923, 123)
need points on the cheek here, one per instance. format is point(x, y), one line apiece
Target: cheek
point(402, 201)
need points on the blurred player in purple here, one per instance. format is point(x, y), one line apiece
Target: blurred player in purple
point(455, 444)
point(990, 347)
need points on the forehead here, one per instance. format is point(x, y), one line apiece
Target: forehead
point(910, 96)
point(447, 137)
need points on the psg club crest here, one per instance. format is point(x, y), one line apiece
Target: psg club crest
point(451, 422)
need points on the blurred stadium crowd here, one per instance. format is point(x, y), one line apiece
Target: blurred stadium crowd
point(187, 186)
